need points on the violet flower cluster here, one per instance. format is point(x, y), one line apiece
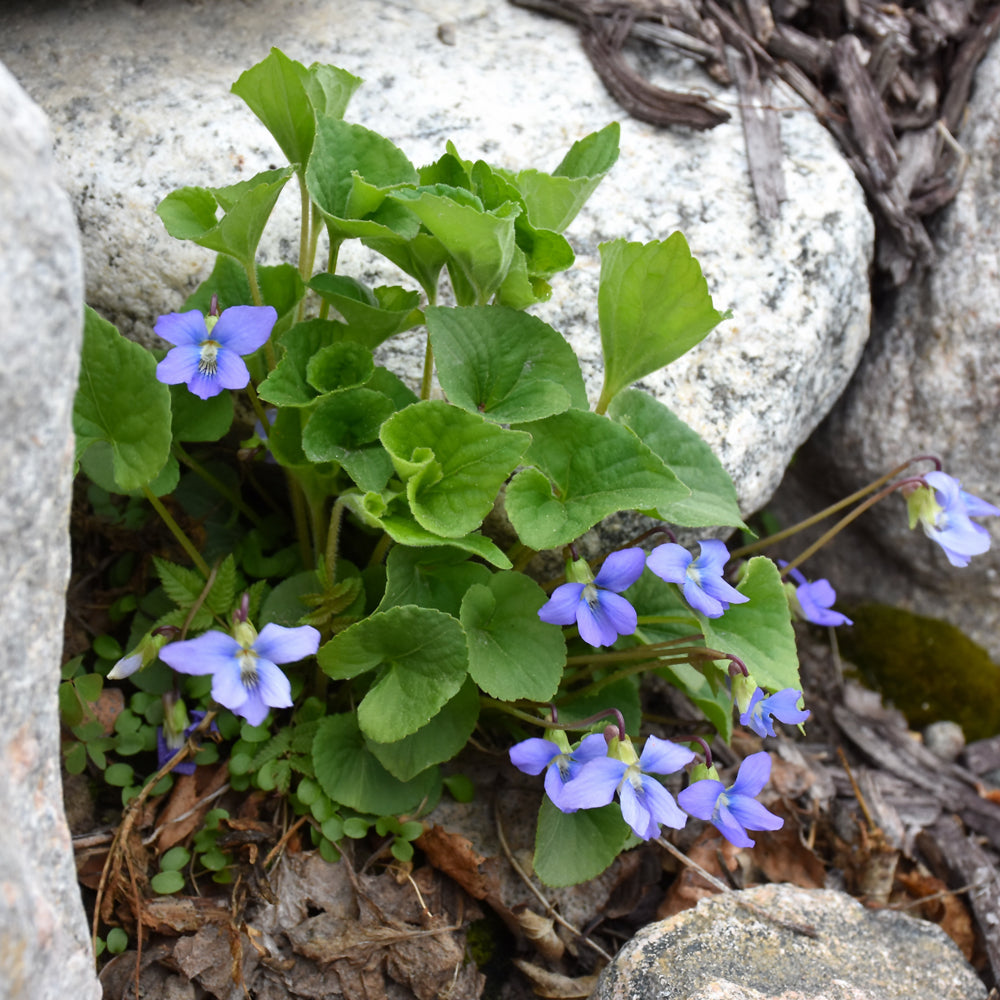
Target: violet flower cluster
point(592, 774)
point(595, 604)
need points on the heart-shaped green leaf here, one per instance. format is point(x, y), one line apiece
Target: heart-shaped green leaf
point(760, 631)
point(286, 97)
point(441, 739)
point(576, 847)
point(512, 653)
point(421, 658)
point(585, 467)
point(480, 243)
point(653, 305)
point(507, 365)
point(352, 776)
point(453, 463)
point(119, 401)
point(713, 496)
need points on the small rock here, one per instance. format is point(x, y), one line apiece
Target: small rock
point(945, 740)
point(724, 951)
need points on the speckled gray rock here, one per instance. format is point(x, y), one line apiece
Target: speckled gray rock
point(139, 97)
point(722, 951)
point(929, 382)
point(44, 951)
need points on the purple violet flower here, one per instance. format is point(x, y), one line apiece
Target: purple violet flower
point(700, 579)
point(645, 803)
point(814, 601)
point(734, 810)
point(945, 517)
point(597, 608)
point(561, 766)
point(782, 706)
point(245, 678)
point(167, 745)
point(208, 349)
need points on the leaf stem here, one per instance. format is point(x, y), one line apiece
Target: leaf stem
point(220, 487)
point(175, 529)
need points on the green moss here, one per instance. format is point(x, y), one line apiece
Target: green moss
point(926, 667)
point(491, 946)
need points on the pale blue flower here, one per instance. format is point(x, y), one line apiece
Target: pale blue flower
point(814, 601)
point(945, 518)
point(245, 676)
point(167, 744)
point(782, 706)
point(208, 348)
point(699, 579)
point(597, 608)
point(645, 803)
point(733, 811)
point(561, 766)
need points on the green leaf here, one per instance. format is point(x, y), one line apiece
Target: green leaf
point(286, 97)
point(512, 653)
point(507, 365)
point(183, 585)
point(345, 421)
point(653, 305)
point(421, 658)
point(197, 419)
point(421, 256)
point(480, 243)
point(175, 859)
point(435, 577)
point(553, 200)
point(371, 315)
point(440, 740)
point(98, 464)
point(350, 172)
point(188, 215)
point(351, 775)
point(760, 631)
point(119, 401)
point(117, 940)
point(585, 467)
point(167, 882)
point(288, 384)
point(574, 847)
point(715, 702)
point(622, 694)
point(453, 463)
point(713, 496)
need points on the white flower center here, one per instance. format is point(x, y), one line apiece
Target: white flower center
point(248, 668)
point(208, 363)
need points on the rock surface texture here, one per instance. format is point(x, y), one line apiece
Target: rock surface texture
point(44, 948)
point(929, 382)
point(721, 950)
point(140, 103)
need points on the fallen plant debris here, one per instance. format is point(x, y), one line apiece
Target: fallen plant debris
point(890, 82)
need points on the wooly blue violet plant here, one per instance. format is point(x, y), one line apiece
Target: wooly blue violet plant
point(361, 590)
